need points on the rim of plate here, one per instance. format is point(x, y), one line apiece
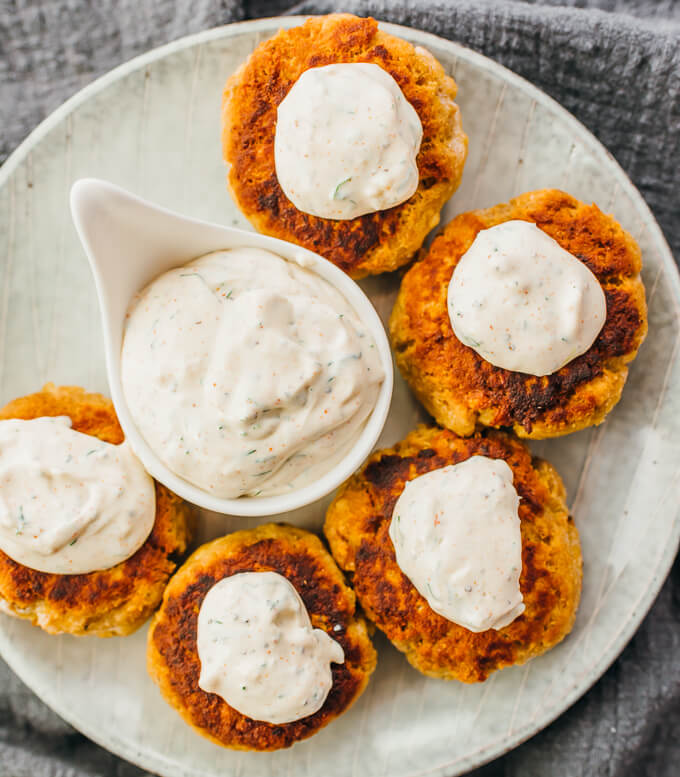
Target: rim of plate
point(667, 549)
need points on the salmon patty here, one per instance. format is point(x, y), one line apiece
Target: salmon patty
point(109, 602)
point(373, 243)
point(299, 556)
point(357, 525)
point(460, 389)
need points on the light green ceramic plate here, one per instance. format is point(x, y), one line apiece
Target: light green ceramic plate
point(152, 126)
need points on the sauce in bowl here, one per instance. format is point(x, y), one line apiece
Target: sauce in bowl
point(248, 374)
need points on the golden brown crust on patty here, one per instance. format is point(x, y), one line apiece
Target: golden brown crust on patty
point(172, 656)
point(376, 242)
point(357, 526)
point(110, 602)
point(460, 389)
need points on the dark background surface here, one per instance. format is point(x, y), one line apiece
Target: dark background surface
point(615, 64)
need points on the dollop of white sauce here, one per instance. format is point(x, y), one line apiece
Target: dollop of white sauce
point(248, 374)
point(456, 535)
point(346, 142)
point(70, 503)
point(523, 302)
point(259, 652)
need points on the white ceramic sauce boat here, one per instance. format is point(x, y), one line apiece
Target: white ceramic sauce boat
point(129, 242)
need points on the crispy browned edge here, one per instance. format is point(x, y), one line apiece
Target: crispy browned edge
point(373, 243)
point(460, 389)
point(357, 526)
point(299, 556)
point(111, 602)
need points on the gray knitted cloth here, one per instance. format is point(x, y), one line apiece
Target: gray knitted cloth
point(616, 66)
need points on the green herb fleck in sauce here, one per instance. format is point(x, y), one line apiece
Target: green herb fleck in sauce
point(336, 192)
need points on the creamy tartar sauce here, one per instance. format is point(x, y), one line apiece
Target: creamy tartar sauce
point(346, 142)
point(259, 652)
point(248, 374)
point(456, 535)
point(70, 503)
point(523, 302)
